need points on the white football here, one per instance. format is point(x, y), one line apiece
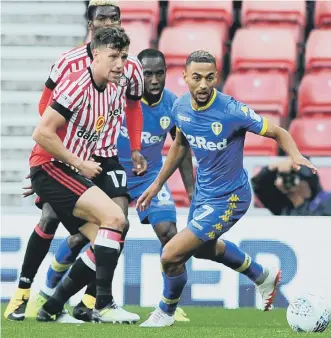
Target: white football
point(308, 313)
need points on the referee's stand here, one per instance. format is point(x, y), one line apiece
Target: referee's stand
point(34, 34)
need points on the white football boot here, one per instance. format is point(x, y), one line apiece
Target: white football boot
point(268, 288)
point(158, 318)
point(114, 314)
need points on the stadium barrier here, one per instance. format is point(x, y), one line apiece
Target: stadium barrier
point(299, 245)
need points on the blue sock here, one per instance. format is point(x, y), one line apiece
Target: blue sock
point(172, 290)
point(238, 260)
point(61, 263)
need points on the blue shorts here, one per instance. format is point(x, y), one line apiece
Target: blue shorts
point(209, 219)
point(162, 208)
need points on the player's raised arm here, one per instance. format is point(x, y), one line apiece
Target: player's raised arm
point(176, 155)
point(186, 169)
point(286, 142)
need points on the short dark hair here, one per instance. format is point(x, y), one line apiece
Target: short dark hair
point(151, 53)
point(200, 56)
point(97, 3)
point(113, 36)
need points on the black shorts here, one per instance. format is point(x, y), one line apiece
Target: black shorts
point(61, 187)
point(112, 180)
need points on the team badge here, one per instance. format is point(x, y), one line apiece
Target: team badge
point(216, 127)
point(100, 123)
point(244, 109)
point(164, 122)
point(123, 82)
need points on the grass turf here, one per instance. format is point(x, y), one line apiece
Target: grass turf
point(205, 322)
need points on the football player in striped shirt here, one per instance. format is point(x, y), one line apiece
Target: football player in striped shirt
point(101, 13)
point(62, 170)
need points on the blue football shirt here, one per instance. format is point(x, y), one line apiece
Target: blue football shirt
point(216, 134)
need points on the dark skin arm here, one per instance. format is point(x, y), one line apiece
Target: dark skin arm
point(185, 169)
point(177, 153)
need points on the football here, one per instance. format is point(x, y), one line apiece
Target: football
point(308, 313)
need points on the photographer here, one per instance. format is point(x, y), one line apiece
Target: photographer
point(286, 192)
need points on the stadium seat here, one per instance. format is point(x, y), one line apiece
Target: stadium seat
point(175, 81)
point(140, 36)
point(322, 14)
point(178, 42)
point(263, 50)
point(324, 174)
point(261, 91)
point(256, 145)
point(177, 188)
point(288, 15)
point(312, 135)
point(318, 50)
point(146, 11)
point(218, 14)
point(314, 94)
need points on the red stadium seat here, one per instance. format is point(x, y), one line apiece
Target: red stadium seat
point(318, 50)
point(324, 174)
point(177, 188)
point(289, 15)
point(140, 36)
point(179, 11)
point(256, 145)
point(314, 94)
point(146, 11)
point(322, 13)
point(263, 50)
point(312, 135)
point(175, 81)
point(217, 14)
point(178, 42)
point(261, 91)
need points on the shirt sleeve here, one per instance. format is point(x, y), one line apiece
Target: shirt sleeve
point(135, 88)
point(67, 97)
point(247, 119)
point(59, 70)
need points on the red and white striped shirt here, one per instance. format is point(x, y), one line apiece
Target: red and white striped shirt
point(131, 86)
point(86, 108)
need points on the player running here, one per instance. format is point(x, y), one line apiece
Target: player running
point(213, 125)
point(156, 104)
point(61, 168)
point(103, 13)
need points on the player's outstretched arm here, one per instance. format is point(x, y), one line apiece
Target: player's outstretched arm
point(286, 142)
point(176, 155)
point(45, 135)
point(186, 169)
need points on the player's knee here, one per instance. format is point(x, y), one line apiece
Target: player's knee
point(115, 221)
point(172, 263)
point(77, 241)
point(165, 232)
point(49, 221)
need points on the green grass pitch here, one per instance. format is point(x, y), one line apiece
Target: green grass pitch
point(205, 322)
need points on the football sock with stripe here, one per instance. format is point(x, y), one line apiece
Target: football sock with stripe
point(172, 290)
point(37, 249)
point(62, 261)
point(106, 251)
point(240, 261)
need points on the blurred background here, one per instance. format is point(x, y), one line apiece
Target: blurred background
point(272, 55)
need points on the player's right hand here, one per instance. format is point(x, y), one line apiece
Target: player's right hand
point(28, 189)
point(145, 199)
point(90, 169)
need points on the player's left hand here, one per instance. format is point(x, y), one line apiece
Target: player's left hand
point(299, 161)
point(145, 199)
point(139, 163)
